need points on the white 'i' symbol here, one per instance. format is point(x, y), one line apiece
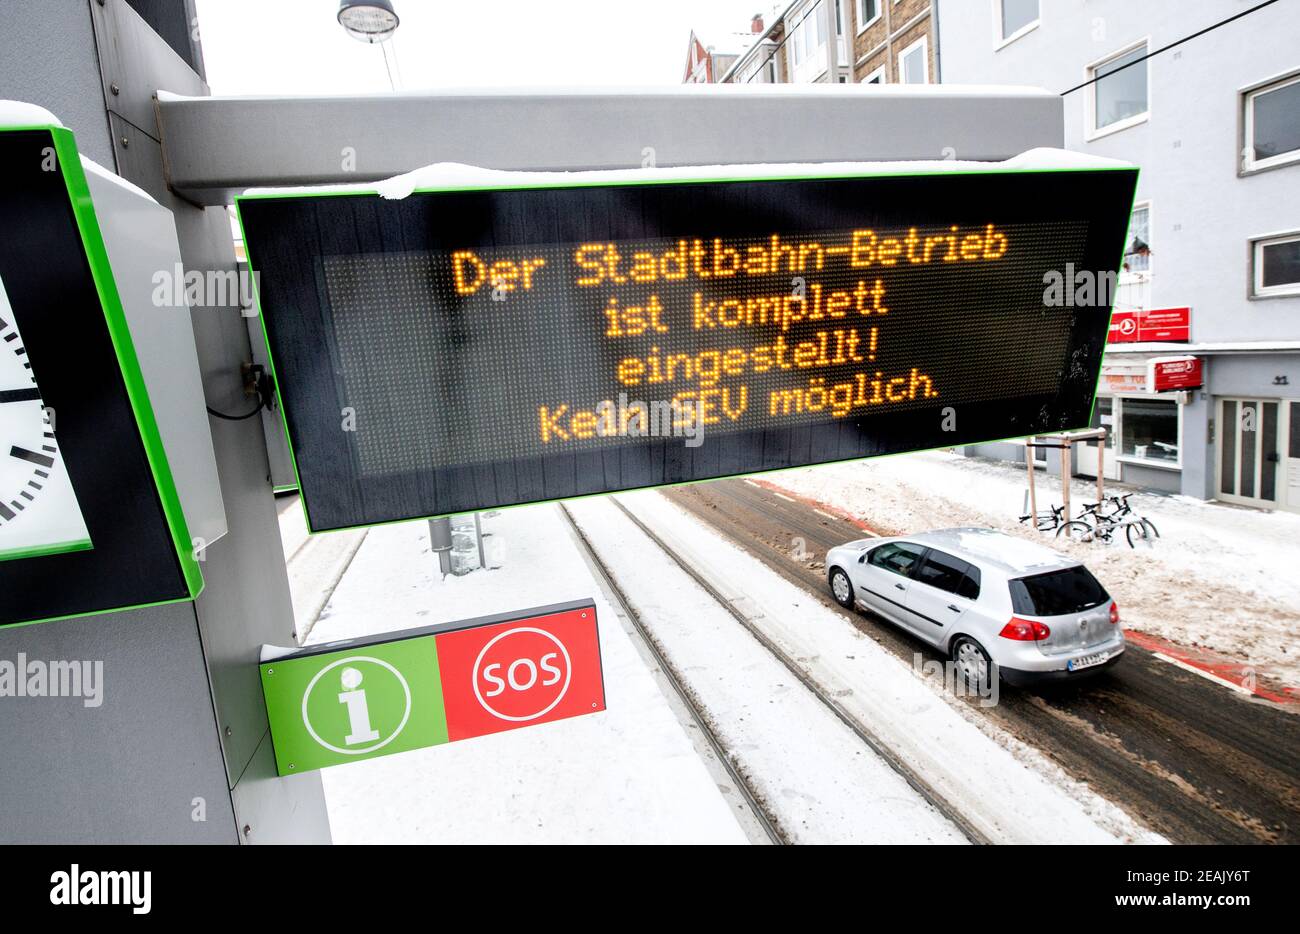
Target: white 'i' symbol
point(358, 709)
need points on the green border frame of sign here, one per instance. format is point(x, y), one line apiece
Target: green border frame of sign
point(900, 172)
point(101, 270)
point(56, 548)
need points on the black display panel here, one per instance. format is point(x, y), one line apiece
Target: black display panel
point(70, 334)
point(458, 350)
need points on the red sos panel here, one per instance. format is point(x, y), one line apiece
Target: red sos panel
point(520, 673)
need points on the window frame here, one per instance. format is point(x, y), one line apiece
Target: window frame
point(1091, 131)
point(1126, 277)
point(1117, 414)
point(863, 26)
point(881, 70)
point(920, 556)
point(999, 40)
point(1257, 289)
point(1246, 117)
point(924, 42)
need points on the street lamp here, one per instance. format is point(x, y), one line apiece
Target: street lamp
point(368, 20)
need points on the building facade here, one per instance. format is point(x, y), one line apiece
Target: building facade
point(842, 41)
point(704, 64)
point(1211, 272)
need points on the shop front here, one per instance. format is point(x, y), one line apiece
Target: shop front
point(1144, 425)
point(1225, 428)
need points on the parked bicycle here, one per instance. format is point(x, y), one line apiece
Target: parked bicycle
point(1101, 521)
point(1047, 521)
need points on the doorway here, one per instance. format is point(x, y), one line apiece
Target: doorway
point(1249, 461)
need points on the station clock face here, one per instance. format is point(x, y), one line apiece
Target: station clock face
point(39, 513)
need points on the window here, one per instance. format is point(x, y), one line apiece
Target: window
point(1015, 18)
point(914, 63)
point(1272, 125)
point(878, 76)
point(943, 571)
point(1276, 262)
point(1118, 95)
point(808, 43)
point(1103, 416)
point(1149, 430)
point(1056, 593)
point(899, 557)
point(868, 13)
point(949, 574)
point(1137, 249)
point(760, 71)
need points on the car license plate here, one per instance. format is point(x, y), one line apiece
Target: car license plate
point(1087, 661)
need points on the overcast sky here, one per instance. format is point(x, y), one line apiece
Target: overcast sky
point(297, 46)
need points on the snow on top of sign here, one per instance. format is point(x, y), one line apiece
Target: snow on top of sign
point(458, 175)
point(17, 113)
point(671, 90)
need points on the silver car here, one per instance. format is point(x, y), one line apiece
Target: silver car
point(984, 597)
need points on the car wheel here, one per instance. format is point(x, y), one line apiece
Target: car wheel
point(973, 663)
point(842, 589)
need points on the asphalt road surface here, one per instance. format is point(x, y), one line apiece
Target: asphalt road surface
point(1190, 759)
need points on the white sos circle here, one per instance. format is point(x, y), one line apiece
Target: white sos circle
point(355, 751)
point(564, 689)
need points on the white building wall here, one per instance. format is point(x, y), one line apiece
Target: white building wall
point(1203, 214)
point(1204, 210)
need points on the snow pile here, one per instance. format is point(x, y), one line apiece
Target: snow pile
point(1220, 577)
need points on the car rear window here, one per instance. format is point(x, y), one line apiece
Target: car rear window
point(1057, 593)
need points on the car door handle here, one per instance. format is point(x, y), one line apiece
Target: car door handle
point(954, 607)
point(900, 586)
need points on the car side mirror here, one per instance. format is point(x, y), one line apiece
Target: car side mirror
point(862, 558)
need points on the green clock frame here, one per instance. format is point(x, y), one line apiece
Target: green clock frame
point(55, 266)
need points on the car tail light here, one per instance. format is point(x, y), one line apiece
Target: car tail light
point(1025, 630)
point(1114, 613)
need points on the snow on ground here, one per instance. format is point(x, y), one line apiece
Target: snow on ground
point(823, 784)
point(628, 775)
point(316, 563)
point(1001, 785)
point(1220, 576)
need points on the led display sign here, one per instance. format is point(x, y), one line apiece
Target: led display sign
point(464, 349)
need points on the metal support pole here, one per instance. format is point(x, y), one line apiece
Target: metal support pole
point(1033, 499)
point(1101, 467)
point(1065, 480)
point(440, 543)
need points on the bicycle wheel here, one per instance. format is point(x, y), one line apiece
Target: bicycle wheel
point(1077, 531)
point(1139, 533)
